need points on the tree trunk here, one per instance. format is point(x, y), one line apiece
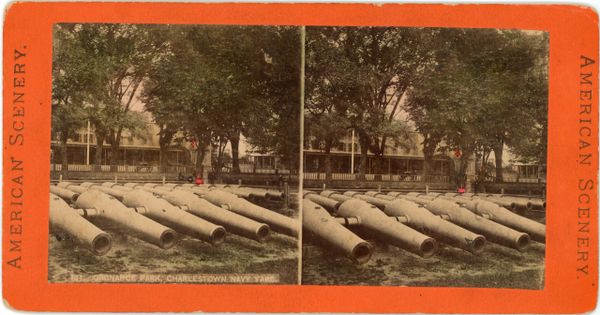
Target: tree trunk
point(328, 176)
point(98, 154)
point(498, 150)
point(64, 159)
point(461, 177)
point(114, 157)
point(115, 145)
point(428, 152)
point(234, 139)
point(198, 167)
point(162, 157)
point(364, 151)
point(378, 165)
point(220, 151)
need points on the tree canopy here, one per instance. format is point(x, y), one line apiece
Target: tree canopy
point(210, 84)
point(471, 90)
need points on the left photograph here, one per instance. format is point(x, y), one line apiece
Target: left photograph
point(175, 154)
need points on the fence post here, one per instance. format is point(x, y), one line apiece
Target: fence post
point(324, 186)
point(240, 182)
point(502, 191)
point(163, 180)
point(60, 178)
point(426, 189)
point(115, 178)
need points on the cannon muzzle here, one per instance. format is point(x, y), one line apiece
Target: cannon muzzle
point(65, 218)
point(127, 219)
point(316, 220)
point(277, 222)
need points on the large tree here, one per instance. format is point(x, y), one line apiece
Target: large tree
point(71, 83)
point(379, 65)
point(121, 55)
point(484, 90)
point(236, 81)
point(273, 123)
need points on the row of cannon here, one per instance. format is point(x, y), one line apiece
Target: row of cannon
point(159, 214)
point(416, 222)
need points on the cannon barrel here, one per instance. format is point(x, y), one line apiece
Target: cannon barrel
point(335, 195)
point(492, 231)
point(127, 219)
point(413, 196)
point(63, 193)
point(66, 219)
point(255, 192)
point(379, 195)
point(317, 221)
point(233, 222)
point(240, 193)
point(277, 222)
point(506, 203)
point(536, 230)
point(537, 204)
point(520, 203)
point(422, 219)
point(181, 221)
point(328, 203)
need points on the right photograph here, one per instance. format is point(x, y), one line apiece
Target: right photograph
point(424, 159)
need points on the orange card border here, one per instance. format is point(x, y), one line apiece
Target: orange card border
point(573, 33)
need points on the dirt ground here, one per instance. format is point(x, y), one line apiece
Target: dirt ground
point(128, 255)
point(496, 267)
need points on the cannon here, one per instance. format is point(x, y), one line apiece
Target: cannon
point(174, 217)
point(520, 204)
point(67, 219)
point(63, 193)
point(253, 193)
point(277, 222)
point(492, 231)
point(537, 203)
point(382, 226)
point(233, 222)
point(422, 219)
point(536, 230)
point(329, 204)
point(317, 221)
point(264, 193)
point(506, 203)
point(128, 219)
point(529, 202)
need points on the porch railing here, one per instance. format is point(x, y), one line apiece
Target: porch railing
point(374, 177)
point(123, 168)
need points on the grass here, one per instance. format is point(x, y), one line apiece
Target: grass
point(495, 267)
